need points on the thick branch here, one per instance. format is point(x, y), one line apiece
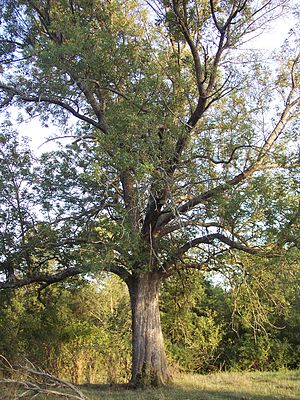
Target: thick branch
point(197, 63)
point(44, 99)
point(130, 198)
point(153, 211)
point(209, 239)
point(97, 106)
point(212, 10)
point(120, 271)
point(41, 278)
point(117, 92)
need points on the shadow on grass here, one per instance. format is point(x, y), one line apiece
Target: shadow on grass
point(120, 392)
point(230, 395)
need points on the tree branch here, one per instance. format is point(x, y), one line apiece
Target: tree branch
point(209, 239)
point(170, 264)
point(43, 99)
point(185, 224)
point(32, 381)
point(212, 9)
point(120, 271)
point(185, 31)
point(41, 278)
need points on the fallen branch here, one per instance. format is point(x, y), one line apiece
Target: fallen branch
point(28, 382)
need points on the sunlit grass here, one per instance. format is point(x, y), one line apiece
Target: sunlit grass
point(284, 385)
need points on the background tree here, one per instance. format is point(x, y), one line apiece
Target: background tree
point(178, 128)
point(194, 320)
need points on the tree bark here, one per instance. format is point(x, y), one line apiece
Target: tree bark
point(149, 363)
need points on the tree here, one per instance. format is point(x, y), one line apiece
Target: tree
point(177, 129)
point(246, 321)
point(259, 298)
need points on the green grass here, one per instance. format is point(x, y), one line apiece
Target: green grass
point(283, 385)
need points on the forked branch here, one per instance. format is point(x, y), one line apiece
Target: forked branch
point(27, 381)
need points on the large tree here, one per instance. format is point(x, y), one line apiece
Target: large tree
point(179, 131)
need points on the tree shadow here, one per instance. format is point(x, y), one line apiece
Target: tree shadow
point(230, 395)
point(123, 392)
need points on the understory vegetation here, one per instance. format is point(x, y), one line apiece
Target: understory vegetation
point(80, 330)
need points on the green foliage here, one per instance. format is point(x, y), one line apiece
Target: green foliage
point(191, 330)
point(80, 332)
point(250, 323)
point(164, 102)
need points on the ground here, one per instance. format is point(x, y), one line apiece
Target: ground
point(282, 385)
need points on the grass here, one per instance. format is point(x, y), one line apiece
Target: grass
point(283, 385)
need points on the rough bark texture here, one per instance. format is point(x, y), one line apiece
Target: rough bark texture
point(149, 364)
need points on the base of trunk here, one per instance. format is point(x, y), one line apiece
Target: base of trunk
point(149, 363)
point(148, 379)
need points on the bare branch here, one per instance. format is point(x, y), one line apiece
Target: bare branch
point(210, 239)
point(228, 161)
point(34, 381)
point(284, 118)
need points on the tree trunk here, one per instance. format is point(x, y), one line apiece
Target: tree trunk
point(149, 364)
